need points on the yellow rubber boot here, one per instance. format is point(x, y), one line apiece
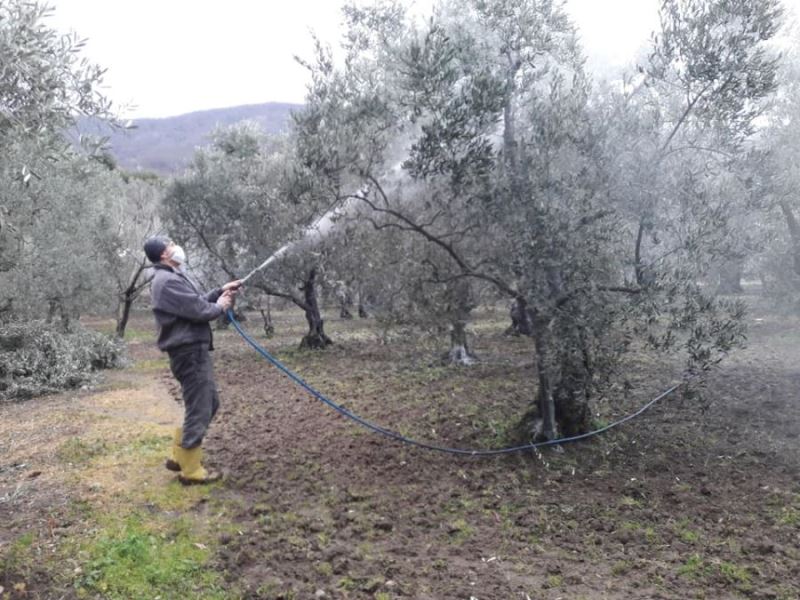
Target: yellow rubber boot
point(172, 463)
point(192, 472)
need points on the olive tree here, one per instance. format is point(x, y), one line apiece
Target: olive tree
point(478, 133)
point(131, 216)
point(45, 84)
point(240, 201)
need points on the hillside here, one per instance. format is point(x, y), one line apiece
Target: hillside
point(165, 145)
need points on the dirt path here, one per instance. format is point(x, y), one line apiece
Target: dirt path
point(43, 441)
point(69, 461)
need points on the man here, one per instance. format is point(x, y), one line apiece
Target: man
point(183, 314)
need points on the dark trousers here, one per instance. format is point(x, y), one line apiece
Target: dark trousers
point(192, 367)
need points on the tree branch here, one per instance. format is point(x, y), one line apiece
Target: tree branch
point(411, 225)
point(285, 295)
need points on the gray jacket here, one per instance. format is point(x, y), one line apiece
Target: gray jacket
point(182, 312)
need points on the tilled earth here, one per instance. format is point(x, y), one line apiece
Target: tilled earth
point(691, 500)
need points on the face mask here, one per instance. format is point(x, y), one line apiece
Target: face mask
point(178, 255)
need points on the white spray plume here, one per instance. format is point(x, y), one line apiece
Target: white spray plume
point(312, 235)
point(393, 175)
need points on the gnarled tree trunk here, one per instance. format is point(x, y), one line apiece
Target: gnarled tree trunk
point(128, 296)
point(521, 319)
point(345, 299)
point(316, 337)
point(564, 372)
point(266, 316)
point(460, 353)
point(794, 234)
point(460, 306)
point(546, 367)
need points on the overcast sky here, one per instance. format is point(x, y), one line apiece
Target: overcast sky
point(167, 57)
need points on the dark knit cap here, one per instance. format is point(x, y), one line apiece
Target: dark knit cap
point(154, 247)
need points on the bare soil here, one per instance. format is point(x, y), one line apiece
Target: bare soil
point(687, 501)
point(691, 500)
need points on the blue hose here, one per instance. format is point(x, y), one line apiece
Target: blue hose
point(401, 438)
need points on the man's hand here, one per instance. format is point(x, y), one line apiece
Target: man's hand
point(232, 285)
point(225, 301)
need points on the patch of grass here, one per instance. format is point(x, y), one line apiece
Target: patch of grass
point(688, 536)
point(107, 328)
point(735, 574)
point(80, 451)
point(693, 567)
point(621, 567)
point(81, 509)
point(132, 334)
point(460, 531)
point(553, 581)
point(151, 365)
point(348, 584)
point(149, 443)
point(651, 535)
point(786, 593)
point(324, 538)
point(275, 589)
point(139, 335)
point(788, 515)
point(19, 556)
point(629, 502)
point(176, 497)
point(23, 542)
point(116, 386)
point(456, 505)
point(499, 430)
point(131, 560)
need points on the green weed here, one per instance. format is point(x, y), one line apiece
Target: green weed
point(650, 535)
point(18, 556)
point(176, 497)
point(131, 561)
point(139, 335)
point(621, 567)
point(151, 365)
point(689, 536)
point(81, 451)
point(553, 581)
point(460, 531)
point(734, 573)
point(693, 567)
point(348, 584)
point(789, 515)
point(629, 502)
